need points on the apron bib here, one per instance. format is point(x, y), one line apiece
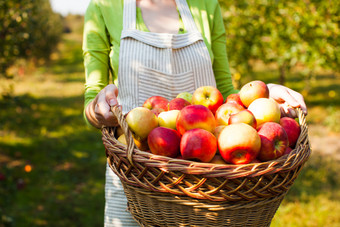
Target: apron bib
point(159, 63)
point(153, 64)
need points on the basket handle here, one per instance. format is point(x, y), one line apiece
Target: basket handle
point(117, 112)
point(303, 125)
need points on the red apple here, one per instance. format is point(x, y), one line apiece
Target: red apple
point(292, 129)
point(198, 144)
point(234, 98)
point(274, 141)
point(252, 91)
point(239, 143)
point(288, 150)
point(178, 104)
point(195, 116)
point(209, 97)
point(255, 161)
point(244, 116)
point(225, 111)
point(141, 121)
point(164, 141)
point(265, 110)
point(156, 102)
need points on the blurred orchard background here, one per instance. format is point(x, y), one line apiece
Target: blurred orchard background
point(52, 166)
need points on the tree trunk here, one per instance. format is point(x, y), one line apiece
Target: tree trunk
point(283, 69)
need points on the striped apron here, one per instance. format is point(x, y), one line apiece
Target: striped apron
point(154, 64)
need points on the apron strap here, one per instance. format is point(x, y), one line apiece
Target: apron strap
point(129, 15)
point(188, 20)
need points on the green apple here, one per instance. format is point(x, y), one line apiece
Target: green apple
point(185, 95)
point(167, 119)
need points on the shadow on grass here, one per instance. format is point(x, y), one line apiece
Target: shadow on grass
point(65, 186)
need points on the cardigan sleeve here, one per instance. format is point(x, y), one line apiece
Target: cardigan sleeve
point(96, 48)
point(221, 63)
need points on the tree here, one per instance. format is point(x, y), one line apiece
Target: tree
point(28, 29)
point(287, 33)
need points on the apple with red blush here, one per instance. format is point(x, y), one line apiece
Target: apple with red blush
point(156, 102)
point(198, 145)
point(209, 97)
point(234, 98)
point(292, 129)
point(274, 141)
point(224, 112)
point(178, 104)
point(253, 90)
point(244, 116)
point(195, 116)
point(164, 141)
point(239, 143)
point(288, 150)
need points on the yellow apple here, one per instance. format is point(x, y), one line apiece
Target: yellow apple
point(265, 110)
point(167, 119)
point(141, 121)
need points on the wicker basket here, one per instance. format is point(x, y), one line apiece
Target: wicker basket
point(164, 191)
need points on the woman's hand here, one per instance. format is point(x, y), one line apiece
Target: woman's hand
point(287, 99)
point(98, 111)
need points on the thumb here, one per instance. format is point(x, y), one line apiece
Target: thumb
point(111, 93)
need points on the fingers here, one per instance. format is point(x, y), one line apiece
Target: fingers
point(104, 100)
point(287, 111)
point(299, 98)
point(293, 99)
point(290, 98)
point(111, 93)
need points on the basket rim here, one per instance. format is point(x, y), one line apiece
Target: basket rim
point(298, 156)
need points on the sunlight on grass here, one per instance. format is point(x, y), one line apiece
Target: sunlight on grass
point(314, 198)
point(11, 138)
point(320, 210)
point(79, 154)
point(49, 87)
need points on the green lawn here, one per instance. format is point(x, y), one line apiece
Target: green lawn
point(42, 127)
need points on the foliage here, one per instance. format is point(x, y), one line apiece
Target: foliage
point(28, 29)
point(287, 33)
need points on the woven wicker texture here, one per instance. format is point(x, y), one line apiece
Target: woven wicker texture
point(182, 193)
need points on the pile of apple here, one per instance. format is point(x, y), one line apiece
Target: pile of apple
point(247, 127)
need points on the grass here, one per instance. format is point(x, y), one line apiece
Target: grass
point(52, 165)
point(314, 198)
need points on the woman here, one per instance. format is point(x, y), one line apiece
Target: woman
point(162, 47)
